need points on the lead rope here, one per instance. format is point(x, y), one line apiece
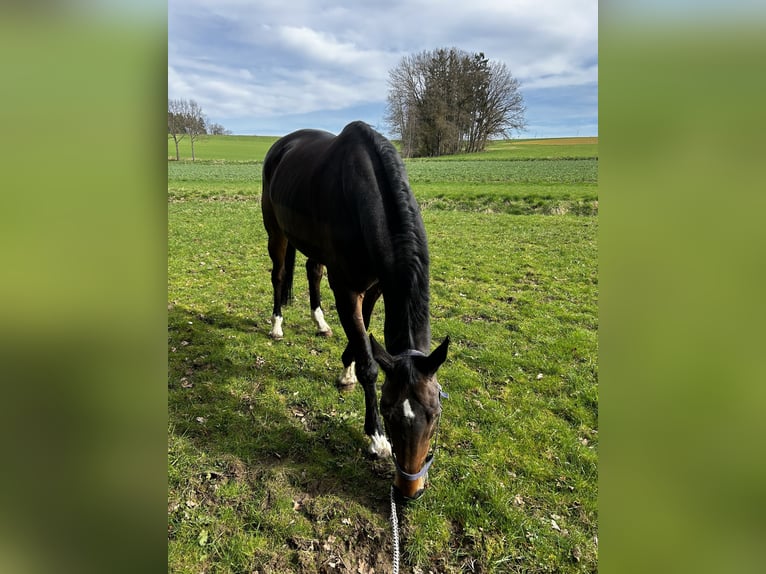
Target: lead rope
point(395, 526)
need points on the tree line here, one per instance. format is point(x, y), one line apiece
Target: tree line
point(185, 119)
point(449, 101)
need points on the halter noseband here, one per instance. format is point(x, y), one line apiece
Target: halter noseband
point(430, 458)
point(413, 477)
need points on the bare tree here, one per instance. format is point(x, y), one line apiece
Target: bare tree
point(449, 101)
point(408, 83)
point(501, 107)
point(218, 130)
point(195, 123)
point(185, 118)
point(176, 122)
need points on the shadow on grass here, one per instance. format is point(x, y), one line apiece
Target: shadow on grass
point(233, 404)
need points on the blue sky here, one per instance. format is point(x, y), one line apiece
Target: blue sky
point(268, 67)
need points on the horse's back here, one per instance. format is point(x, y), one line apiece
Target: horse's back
point(321, 176)
point(313, 151)
point(333, 196)
point(298, 147)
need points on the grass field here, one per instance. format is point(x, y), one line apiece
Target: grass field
point(515, 177)
point(253, 148)
point(230, 149)
point(267, 469)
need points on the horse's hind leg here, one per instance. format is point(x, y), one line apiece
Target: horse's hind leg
point(371, 297)
point(277, 252)
point(348, 377)
point(314, 275)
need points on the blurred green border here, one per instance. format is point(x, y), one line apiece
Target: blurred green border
point(83, 232)
point(681, 204)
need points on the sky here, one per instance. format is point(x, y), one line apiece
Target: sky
point(269, 67)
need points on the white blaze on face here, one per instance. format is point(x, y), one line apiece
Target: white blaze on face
point(276, 327)
point(408, 413)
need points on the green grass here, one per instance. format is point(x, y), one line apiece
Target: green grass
point(563, 148)
point(254, 148)
point(267, 465)
point(512, 182)
point(223, 148)
point(506, 171)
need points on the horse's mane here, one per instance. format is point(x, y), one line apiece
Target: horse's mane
point(409, 241)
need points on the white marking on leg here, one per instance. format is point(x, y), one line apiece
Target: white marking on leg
point(276, 327)
point(322, 327)
point(380, 446)
point(408, 413)
point(348, 376)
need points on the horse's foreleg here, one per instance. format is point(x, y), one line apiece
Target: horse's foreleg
point(349, 307)
point(314, 275)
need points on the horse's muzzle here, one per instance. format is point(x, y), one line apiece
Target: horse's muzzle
point(412, 486)
point(409, 496)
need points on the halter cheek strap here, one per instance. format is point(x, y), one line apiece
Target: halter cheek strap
point(414, 353)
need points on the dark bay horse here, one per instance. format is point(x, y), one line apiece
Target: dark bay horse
point(345, 202)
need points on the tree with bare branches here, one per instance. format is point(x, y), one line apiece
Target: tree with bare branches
point(176, 119)
point(218, 130)
point(195, 123)
point(185, 118)
point(449, 101)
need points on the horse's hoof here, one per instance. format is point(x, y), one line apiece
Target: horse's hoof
point(379, 446)
point(276, 332)
point(323, 328)
point(343, 385)
point(347, 378)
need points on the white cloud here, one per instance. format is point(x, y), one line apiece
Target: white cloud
point(317, 45)
point(345, 59)
point(266, 59)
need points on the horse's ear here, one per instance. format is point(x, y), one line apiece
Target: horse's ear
point(428, 365)
point(385, 360)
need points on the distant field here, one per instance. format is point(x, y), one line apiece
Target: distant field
point(563, 148)
point(524, 177)
point(267, 470)
point(228, 148)
point(254, 148)
point(558, 141)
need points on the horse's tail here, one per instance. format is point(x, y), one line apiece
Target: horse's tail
point(287, 284)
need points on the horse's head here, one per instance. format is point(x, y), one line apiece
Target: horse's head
point(411, 405)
